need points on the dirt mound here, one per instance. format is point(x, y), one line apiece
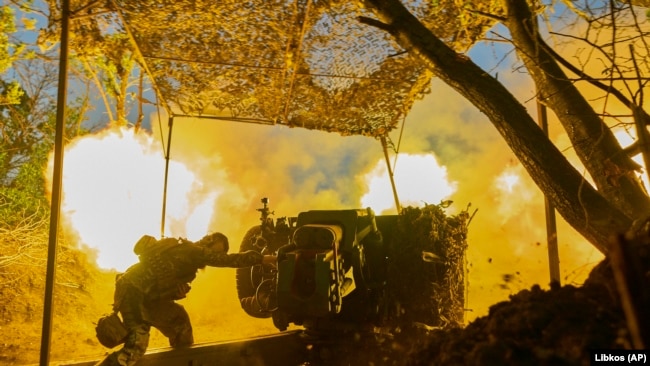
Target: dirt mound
point(536, 327)
point(560, 326)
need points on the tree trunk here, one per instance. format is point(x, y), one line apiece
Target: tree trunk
point(611, 169)
point(574, 198)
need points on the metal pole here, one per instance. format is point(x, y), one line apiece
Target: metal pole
point(56, 186)
point(167, 154)
point(639, 120)
point(390, 173)
point(642, 137)
point(551, 227)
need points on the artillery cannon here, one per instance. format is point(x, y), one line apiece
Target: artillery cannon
point(348, 281)
point(346, 272)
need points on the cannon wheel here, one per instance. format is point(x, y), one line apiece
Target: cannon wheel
point(249, 278)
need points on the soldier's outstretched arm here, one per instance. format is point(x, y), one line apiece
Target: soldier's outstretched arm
point(270, 260)
point(234, 260)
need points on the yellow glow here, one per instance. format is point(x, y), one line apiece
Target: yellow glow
point(419, 179)
point(113, 190)
point(515, 197)
point(507, 181)
point(626, 138)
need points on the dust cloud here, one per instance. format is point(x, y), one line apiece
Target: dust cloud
point(507, 236)
point(220, 170)
point(301, 170)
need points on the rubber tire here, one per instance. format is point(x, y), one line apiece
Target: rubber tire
point(245, 286)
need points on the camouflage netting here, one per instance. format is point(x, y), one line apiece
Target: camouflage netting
point(427, 268)
point(298, 63)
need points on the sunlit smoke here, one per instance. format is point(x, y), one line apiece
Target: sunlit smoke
point(419, 180)
point(513, 198)
point(113, 194)
point(626, 138)
point(507, 181)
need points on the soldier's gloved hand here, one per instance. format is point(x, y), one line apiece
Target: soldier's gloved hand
point(181, 290)
point(270, 260)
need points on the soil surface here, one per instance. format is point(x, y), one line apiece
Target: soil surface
point(559, 326)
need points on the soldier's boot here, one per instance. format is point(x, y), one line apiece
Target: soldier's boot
point(110, 360)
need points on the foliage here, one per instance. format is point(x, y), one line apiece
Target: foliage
point(101, 54)
point(27, 130)
point(82, 291)
point(116, 64)
point(426, 274)
point(612, 197)
point(28, 89)
point(11, 92)
point(333, 66)
point(27, 124)
point(7, 26)
point(309, 64)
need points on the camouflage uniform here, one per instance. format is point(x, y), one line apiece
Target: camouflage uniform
point(145, 294)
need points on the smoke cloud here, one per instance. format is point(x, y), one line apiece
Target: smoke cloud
point(219, 171)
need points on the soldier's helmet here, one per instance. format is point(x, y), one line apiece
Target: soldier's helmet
point(216, 241)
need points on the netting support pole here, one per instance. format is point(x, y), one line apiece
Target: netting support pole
point(384, 145)
point(57, 178)
point(170, 125)
point(551, 229)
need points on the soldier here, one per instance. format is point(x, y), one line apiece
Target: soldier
point(145, 294)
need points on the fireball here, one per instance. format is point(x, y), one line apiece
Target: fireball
point(112, 194)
